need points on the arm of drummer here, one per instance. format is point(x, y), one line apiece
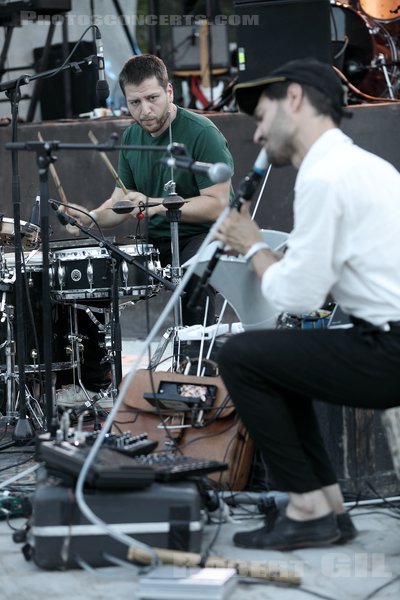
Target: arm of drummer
point(200, 209)
point(103, 214)
point(240, 232)
point(205, 207)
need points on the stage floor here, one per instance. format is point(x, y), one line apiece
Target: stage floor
point(355, 571)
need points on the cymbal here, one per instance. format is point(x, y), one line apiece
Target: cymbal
point(125, 206)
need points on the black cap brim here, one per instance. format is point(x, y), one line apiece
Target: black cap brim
point(248, 94)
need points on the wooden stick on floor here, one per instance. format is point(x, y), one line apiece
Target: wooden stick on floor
point(245, 568)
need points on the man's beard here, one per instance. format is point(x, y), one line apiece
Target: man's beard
point(157, 124)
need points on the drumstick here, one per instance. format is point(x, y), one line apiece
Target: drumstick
point(108, 163)
point(54, 175)
point(245, 568)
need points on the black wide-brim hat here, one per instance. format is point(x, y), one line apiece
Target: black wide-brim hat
point(307, 71)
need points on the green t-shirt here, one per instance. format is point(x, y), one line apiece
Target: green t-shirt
point(141, 171)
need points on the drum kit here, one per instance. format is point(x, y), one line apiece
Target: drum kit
point(365, 37)
point(81, 279)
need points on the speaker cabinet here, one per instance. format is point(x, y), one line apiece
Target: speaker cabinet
point(269, 33)
point(83, 84)
point(186, 45)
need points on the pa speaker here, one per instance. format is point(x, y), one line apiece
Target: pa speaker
point(270, 33)
point(83, 84)
point(186, 46)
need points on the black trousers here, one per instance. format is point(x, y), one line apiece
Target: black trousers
point(188, 246)
point(274, 375)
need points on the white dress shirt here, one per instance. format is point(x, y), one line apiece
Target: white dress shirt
point(346, 235)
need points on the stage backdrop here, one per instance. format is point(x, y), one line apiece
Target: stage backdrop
point(87, 181)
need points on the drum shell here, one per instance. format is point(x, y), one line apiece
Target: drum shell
point(32, 289)
point(86, 273)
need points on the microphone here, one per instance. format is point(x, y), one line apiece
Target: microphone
point(102, 89)
point(216, 172)
point(250, 182)
point(246, 189)
point(61, 215)
point(34, 219)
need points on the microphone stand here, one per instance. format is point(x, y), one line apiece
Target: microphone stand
point(245, 191)
point(23, 430)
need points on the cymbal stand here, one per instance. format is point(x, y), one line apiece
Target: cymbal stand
point(77, 347)
point(10, 377)
point(380, 63)
point(173, 203)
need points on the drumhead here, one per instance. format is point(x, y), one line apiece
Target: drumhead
point(381, 10)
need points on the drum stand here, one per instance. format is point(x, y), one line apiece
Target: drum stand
point(173, 203)
point(111, 328)
point(10, 377)
point(77, 345)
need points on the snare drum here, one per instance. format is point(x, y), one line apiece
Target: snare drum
point(361, 47)
point(86, 273)
point(30, 234)
point(32, 269)
point(134, 281)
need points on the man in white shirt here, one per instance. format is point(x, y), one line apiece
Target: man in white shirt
point(344, 242)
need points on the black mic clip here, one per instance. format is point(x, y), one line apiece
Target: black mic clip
point(176, 149)
point(86, 406)
point(61, 215)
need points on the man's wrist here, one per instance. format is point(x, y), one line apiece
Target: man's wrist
point(254, 248)
point(93, 221)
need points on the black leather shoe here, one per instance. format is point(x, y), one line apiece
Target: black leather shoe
point(288, 534)
point(346, 527)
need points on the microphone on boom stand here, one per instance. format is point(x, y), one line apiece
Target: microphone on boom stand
point(245, 192)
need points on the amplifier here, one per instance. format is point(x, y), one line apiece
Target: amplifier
point(166, 516)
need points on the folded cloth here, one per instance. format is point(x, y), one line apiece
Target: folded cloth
point(288, 534)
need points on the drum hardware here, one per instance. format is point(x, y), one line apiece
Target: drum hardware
point(114, 257)
point(363, 41)
point(380, 63)
point(10, 378)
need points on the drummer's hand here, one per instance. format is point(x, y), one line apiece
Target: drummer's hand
point(140, 202)
point(81, 217)
point(238, 231)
